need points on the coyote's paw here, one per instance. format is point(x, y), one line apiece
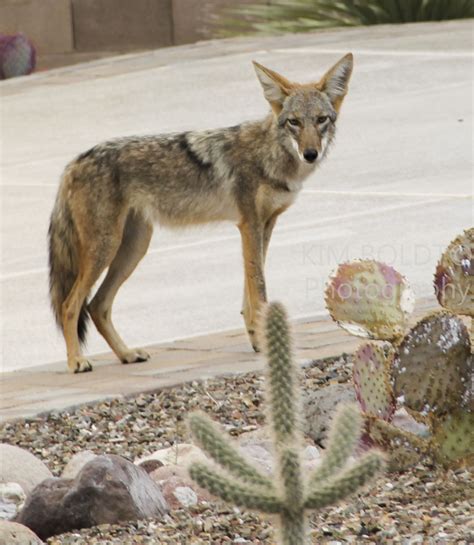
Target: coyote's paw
point(79, 365)
point(135, 356)
point(253, 340)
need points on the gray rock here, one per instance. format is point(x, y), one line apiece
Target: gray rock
point(20, 466)
point(12, 498)
point(311, 454)
point(76, 463)
point(319, 407)
point(185, 496)
point(259, 456)
point(107, 490)
point(12, 533)
point(402, 419)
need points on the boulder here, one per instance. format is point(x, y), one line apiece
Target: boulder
point(107, 490)
point(12, 533)
point(76, 463)
point(12, 498)
point(20, 466)
point(319, 407)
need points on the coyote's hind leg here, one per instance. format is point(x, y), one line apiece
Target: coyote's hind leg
point(135, 241)
point(89, 271)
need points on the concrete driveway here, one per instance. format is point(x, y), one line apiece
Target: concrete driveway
point(396, 187)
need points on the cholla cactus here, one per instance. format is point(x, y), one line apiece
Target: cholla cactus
point(17, 56)
point(285, 494)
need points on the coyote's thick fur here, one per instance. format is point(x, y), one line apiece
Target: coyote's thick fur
point(249, 174)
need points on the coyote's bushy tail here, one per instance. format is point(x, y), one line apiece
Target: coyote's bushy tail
point(64, 262)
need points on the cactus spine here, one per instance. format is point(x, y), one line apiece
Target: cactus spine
point(286, 494)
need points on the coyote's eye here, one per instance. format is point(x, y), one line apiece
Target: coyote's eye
point(294, 122)
point(322, 119)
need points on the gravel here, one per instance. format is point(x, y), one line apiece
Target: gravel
point(423, 505)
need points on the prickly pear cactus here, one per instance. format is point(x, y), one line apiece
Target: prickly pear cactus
point(454, 277)
point(431, 371)
point(403, 447)
point(17, 56)
point(371, 376)
point(454, 439)
point(369, 299)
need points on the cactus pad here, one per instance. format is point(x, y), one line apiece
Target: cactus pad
point(17, 56)
point(431, 371)
point(454, 439)
point(404, 448)
point(454, 277)
point(371, 381)
point(369, 299)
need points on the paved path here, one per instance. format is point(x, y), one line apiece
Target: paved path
point(30, 392)
point(397, 186)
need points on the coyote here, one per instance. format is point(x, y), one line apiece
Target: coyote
point(111, 195)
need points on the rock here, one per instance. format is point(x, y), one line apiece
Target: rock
point(311, 458)
point(260, 436)
point(402, 419)
point(12, 498)
point(166, 472)
point(319, 407)
point(311, 454)
point(258, 456)
point(20, 466)
point(171, 477)
point(107, 490)
point(185, 496)
point(257, 447)
point(76, 463)
point(179, 492)
point(12, 533)
point(181, 454)
point(150, 465)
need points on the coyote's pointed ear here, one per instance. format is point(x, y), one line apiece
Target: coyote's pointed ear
point(335, 81)
point(275, 87)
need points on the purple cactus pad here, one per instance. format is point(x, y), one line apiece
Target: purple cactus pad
point(17, 56)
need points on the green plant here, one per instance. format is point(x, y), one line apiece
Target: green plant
point(285, 494)
point(276, 16)
point(427, 369)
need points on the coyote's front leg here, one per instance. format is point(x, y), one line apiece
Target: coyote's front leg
point(255, 292)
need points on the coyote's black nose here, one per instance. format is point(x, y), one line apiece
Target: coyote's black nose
point(310, 155)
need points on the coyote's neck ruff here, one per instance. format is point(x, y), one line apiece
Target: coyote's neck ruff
point(111, 195)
